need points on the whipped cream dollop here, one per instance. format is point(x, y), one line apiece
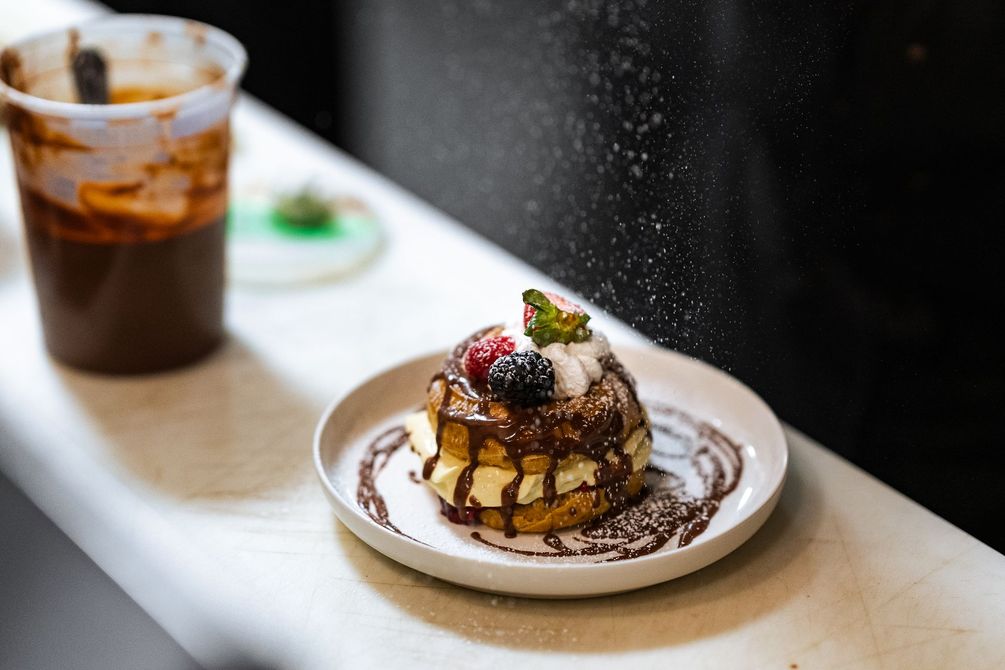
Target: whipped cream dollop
point(577, 364)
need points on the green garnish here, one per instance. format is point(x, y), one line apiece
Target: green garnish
point(552, 324)
point(304, 209)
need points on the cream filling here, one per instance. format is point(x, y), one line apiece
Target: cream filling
point(489, 481)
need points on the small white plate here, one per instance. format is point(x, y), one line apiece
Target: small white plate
point(431, 544)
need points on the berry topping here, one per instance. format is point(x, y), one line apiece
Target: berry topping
point(528, 314)
point(482, 354)
point(524, 378)
point(556, 300)
point(553, 319)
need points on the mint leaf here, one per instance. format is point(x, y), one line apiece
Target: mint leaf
point(305, 209)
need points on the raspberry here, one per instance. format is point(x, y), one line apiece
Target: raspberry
point(557, 301)
point(482, 354)
point(524, 378)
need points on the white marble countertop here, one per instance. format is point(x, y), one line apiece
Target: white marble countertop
point(205, 473)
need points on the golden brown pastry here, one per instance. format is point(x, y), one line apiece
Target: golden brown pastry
point(532, 428)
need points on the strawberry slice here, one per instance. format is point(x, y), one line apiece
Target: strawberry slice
point(550, 318)
point(528, 314)
point(558, 301)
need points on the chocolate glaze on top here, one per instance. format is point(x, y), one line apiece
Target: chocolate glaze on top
point(533, 431)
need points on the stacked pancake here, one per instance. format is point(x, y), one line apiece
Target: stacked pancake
point(532, 434)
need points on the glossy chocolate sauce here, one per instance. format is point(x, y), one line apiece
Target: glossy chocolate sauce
point(534, 431)
point(368, 497)
point(128, 260)
point(132, 307)
point(662, 513)
point(664, 510)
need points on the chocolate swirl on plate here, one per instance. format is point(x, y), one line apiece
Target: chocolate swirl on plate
point(665, 511)
point(377, 455)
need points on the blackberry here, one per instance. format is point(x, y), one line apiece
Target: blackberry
point(523, 378)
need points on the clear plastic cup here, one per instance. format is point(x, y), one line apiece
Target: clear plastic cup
point(125, 203)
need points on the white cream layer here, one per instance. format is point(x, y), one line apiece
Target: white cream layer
point(489, 481)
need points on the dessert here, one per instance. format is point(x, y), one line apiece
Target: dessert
point(533, 426)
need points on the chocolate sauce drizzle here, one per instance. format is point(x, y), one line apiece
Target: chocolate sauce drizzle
point(534, 431)
point(664, 510)
point(377, 455)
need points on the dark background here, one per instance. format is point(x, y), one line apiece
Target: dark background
point(807, 194)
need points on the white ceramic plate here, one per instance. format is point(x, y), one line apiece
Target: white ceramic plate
point(430, 544)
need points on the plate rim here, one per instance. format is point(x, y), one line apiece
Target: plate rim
point(341, 506)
